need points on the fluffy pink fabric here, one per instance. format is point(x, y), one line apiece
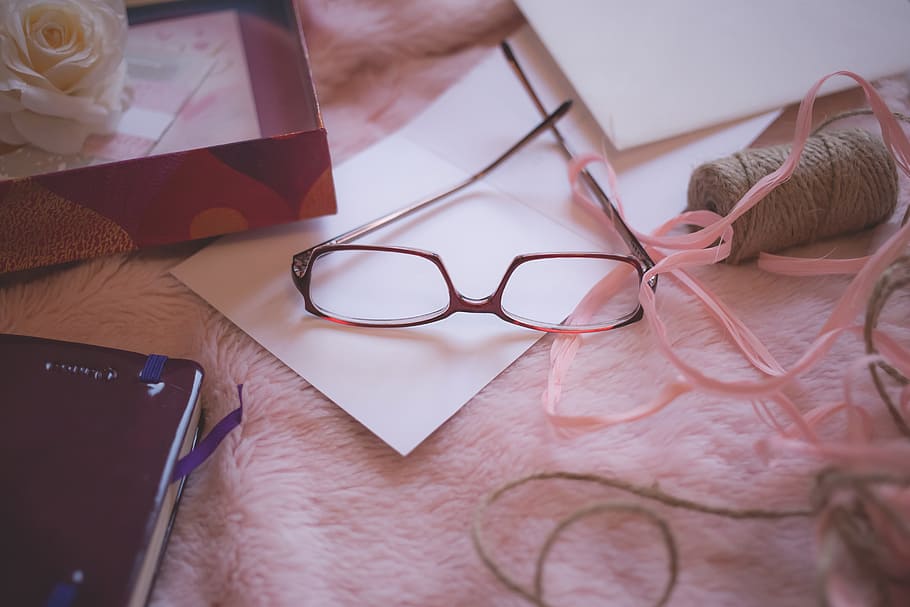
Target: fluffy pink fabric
point(302, 506)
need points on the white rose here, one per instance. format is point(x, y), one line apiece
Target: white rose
point(62, 71)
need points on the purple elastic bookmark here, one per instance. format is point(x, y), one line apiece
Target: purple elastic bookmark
point(207, 446)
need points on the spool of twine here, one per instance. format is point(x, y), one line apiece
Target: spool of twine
point(846, 181)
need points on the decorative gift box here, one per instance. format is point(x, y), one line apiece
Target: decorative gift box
point(219, 131)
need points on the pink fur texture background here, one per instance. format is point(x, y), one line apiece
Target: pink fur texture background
point(302, 506)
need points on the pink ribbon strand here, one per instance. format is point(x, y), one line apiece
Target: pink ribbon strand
point(676, 254)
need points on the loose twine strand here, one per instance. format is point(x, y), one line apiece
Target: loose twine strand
point(855, 520)
point(896, 277)
point(535, 596)
point(851, 114)
point(849, 525)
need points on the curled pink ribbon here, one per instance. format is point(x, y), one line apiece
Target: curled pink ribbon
point(676, 254)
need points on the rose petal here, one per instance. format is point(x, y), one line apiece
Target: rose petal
point(8, 132)
point(9, 103)
point(68, 75)
point(12, 85)
point(13, 62)
point(108, 51)
point(113, 94)
point(55, 135)
point(85, 55)
point(60, 22)
point(52, 103)
point(14, 25)
point(76, 69)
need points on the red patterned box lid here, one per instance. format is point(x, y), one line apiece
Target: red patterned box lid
point(283, 174)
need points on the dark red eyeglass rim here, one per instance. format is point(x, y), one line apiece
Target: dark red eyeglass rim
point(302, 265)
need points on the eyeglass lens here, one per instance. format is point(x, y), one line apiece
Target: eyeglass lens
point(376, 285)
point(381, 287)
point(547, 291)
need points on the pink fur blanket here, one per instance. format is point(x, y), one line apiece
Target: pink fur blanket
point(303, 506)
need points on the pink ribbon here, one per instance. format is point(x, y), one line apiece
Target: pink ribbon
point(676, 254)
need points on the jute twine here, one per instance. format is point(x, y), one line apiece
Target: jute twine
point(895, 277)
point(848, 500)
point(535, 595)
point(846, 181)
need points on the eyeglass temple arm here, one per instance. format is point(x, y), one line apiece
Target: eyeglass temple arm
point(625, 233)
point(363, 230)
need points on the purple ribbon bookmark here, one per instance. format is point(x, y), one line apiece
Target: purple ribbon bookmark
point(62, 595)
point(207, 446)
point(151, 371)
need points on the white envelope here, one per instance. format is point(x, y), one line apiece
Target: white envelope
point(650, 70)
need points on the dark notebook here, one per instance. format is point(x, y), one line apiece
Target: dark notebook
point(90, 437)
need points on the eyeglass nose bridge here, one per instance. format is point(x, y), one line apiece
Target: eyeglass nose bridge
point(476, 305)
point(459, 302)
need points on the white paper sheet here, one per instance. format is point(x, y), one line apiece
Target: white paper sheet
point(403, 384)
point(507, 110)
point(650, 70)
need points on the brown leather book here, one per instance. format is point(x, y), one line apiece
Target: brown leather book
point(90, 439)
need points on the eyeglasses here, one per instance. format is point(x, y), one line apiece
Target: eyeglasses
point(386, 286)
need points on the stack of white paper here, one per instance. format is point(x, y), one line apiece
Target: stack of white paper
point(650, 70)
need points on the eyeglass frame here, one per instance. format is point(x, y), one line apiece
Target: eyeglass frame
point(492, 304)
point(302, 262)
